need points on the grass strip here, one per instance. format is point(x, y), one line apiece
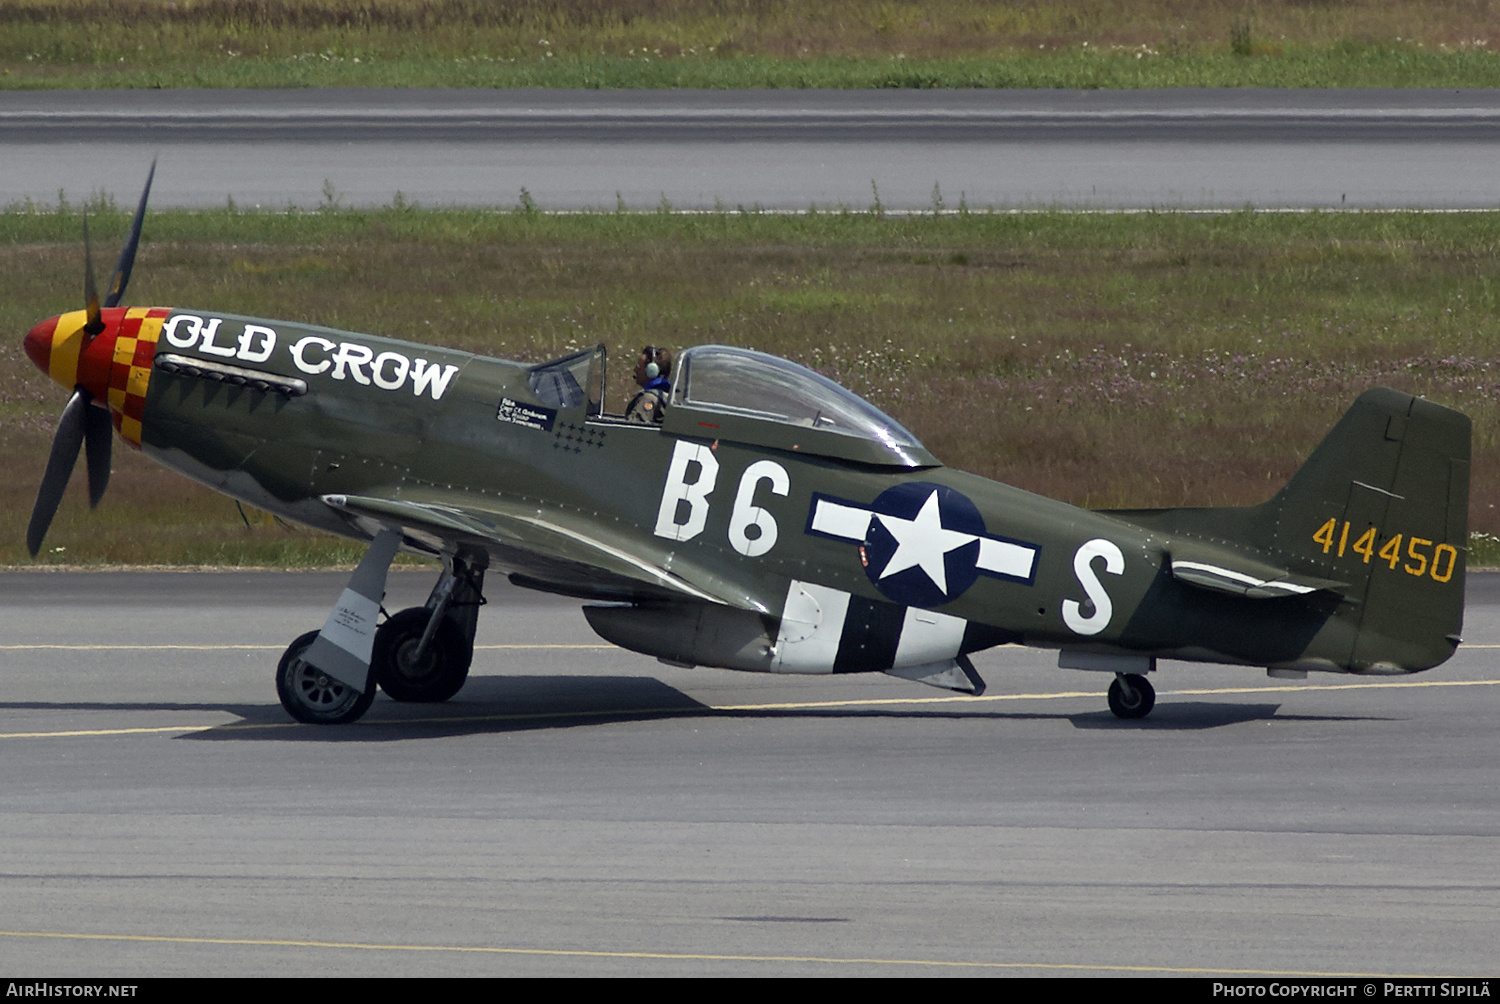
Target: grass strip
point(735, 44)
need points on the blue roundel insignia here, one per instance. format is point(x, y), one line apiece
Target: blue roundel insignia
point(922, 547)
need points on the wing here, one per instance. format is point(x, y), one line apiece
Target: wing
point(547, 549)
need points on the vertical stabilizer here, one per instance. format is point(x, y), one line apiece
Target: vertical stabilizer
point(1375, 523)
point(1382, 505)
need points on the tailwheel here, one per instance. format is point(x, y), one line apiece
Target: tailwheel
point(1131, 696)
point(310, 695)
point(436, 674)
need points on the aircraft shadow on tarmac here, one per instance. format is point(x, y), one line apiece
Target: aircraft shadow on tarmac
point(1186, 716)
point(524, 703)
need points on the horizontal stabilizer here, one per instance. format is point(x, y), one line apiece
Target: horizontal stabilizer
point(1240, 576)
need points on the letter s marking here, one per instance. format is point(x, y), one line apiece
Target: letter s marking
point(1083, 567)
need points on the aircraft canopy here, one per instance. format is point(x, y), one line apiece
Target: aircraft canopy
point(765, 387)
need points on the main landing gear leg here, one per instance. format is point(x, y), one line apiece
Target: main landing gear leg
point(324, 678)
point(1131, 696)
point(423, 653)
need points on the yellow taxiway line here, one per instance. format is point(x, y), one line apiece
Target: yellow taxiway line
point(1089, 693)
point(697, 956)
point(705, 709)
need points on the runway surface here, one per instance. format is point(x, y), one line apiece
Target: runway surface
point(908, 150)
point(581, 810)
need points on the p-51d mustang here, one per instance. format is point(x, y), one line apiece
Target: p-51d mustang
point(774, 522)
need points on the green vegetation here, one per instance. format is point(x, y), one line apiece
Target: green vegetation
point(747, 43)
point(1110, 360)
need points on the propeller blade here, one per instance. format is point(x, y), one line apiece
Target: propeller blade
point(97, 438)
point(121, 278)
point(65, 447)
point(95, 323)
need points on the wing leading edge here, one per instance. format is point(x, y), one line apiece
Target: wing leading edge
point(546, 550)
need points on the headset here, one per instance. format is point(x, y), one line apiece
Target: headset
point(652, 370)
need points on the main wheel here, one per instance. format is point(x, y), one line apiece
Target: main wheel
point(437, 675)
point(311, 695)
point(1131, 696)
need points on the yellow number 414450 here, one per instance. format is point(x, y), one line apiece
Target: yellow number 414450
point(1421, 558)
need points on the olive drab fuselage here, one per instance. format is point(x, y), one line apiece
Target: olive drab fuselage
point(739, 537)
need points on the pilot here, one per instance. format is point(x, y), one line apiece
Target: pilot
point(653, 370)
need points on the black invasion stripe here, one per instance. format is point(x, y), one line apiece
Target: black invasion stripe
point(978, 637)
point(872, 631)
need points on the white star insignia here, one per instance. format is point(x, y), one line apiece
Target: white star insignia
point(923, 542)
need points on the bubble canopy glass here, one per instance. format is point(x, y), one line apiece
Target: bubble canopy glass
point(751, 390)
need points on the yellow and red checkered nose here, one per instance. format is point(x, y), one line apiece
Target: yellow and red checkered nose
point(114, 365)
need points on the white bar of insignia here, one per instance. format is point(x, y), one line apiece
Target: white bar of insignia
point(1005, 558)
point(841, 520)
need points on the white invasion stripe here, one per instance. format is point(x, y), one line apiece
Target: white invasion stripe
point(844, 521)
point(1249, 580)
point(1005, 558)
point(928, 637)
point(812, 624)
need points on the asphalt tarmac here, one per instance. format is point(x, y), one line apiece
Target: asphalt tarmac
point(581, 810)
point(782, 150)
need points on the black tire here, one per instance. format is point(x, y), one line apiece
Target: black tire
point(310, 695)
point(444, 666)
point(1137, 701)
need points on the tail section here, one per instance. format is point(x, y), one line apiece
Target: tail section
point(1382, 505)
point(1377, 516)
